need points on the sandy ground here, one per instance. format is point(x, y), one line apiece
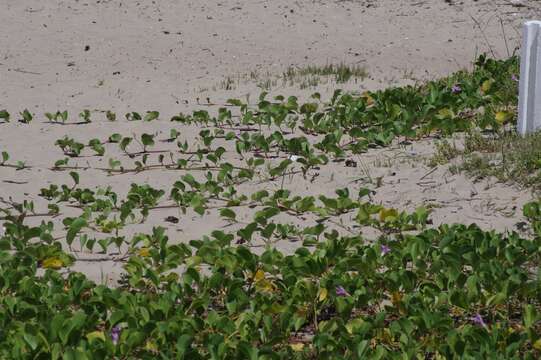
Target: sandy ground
point(161, 54)
point(173, 55)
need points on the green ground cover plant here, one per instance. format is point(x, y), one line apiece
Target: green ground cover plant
point(413, 291)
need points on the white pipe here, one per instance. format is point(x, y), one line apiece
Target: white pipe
point(529, 103)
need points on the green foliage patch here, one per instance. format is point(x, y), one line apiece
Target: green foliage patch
point(411, 292)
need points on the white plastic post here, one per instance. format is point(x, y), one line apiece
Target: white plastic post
point(529, 103)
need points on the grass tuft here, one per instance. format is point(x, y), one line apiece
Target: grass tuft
point(445, 152)
point(342, 73)
point(506, 156)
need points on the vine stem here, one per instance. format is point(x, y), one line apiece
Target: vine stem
point(145, 168)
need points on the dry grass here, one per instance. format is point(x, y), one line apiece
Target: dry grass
point(505, 156)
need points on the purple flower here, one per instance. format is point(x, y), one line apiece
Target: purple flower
point(514, 77)
point(478, 319)
point(385, 250)
point(456, 89)
point(115, 334)
point(340, 291)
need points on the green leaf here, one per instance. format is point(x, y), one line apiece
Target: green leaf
point(5, 157)
point(111, 116)
point(363, 192)
point(61, 162)
point(125, 142)
point(95, 335)
point(147, 139)
point(64, 115)
point(74, 229)
point(115, 138)
point(530, 316)
point(4, 115)
point(248, 351)
point(134, 338)
point(26, 116)
point(113, 164)
point(228, 213)
point(362, 349)
point(31, 340)
point(85, 115)
point(499, 298)
point(234, 102)
point(73, 323)
point(97, 146)
point(133, 116)
point(116, 317)
point(151, 115)
point(75, 177)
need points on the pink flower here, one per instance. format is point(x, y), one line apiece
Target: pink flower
point(456, 89)
point(340, 291)
point(115, 334)
point(385, 250)
point(478, 319)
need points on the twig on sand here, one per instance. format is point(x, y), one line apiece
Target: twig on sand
point(15, 182)
point(122, 258)
point(26, 71)
point(484, 36)
point(504, 36)
point(428, 173)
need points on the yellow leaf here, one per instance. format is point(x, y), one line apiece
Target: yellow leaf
point(502, 117)
point(386, 335)
point(259, 275)
point(297, 347)
point(396, 298)
point(385, 214)
point(369, 99)
point(487, 84)
point(302, 311)
point(455, 311)
point(439, 356)
point(144, 252)
point(173, 277)
point(194, 261)
point(276, 308)
point(261, 282)
point(445, 113)
point(537, 345)
point(52, 263)
point(323, 294)
point(354, 324)
point(95, 335)
point(151, 346)
point(265, 286)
